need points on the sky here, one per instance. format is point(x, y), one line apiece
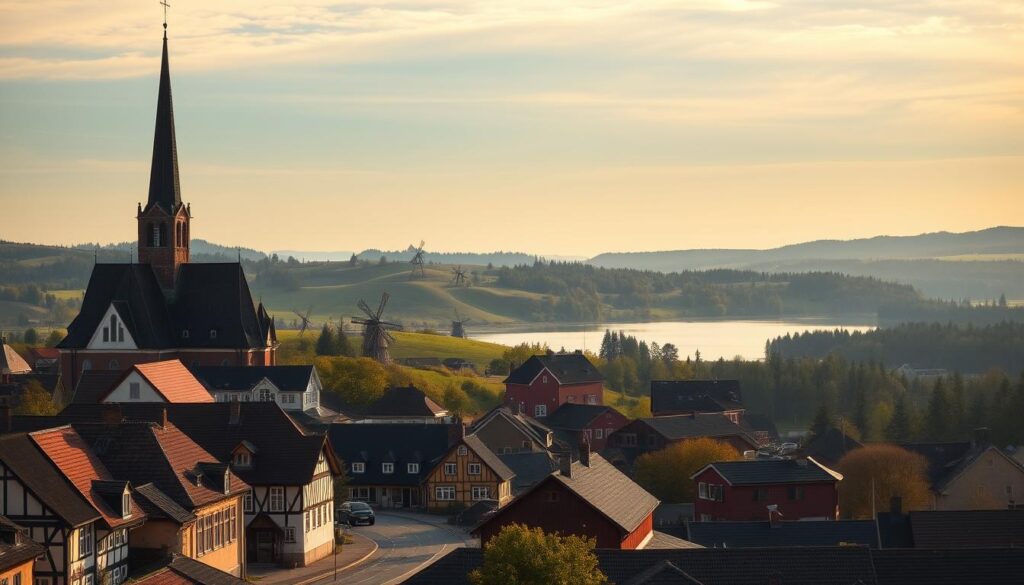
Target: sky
point(544, 126)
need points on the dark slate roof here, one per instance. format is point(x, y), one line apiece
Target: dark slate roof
point(967, 528)
point(94, 385)
point(157, 504)
point(243, 378)
point(1002, 566)
point(830, 446)
point(941, 457)
point(16, 547)
point(752, 566)
point(531, 427)
point(772, 471)
point(575, 417)
point(207, 296)
point(759, 423)
point(48, 484)
point(405, 401)
point(286, 455)
point(695, 395)
point(164, 186)
point(762, 534)
point(400, 443)
point(685, 426)
point(568, 368)
point(663, 573)
point(529, 468)
point(488, 457)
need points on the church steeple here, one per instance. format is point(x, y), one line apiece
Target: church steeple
point(164, 222)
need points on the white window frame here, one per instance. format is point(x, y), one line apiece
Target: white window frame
point(598, 433)
point(480, 492)
point(289, 534)
point(358, 467)
point(444, 493)
point(412, 468)
point(702, 490)
point(134, 391)
point(279, 500)
point(454, 469)
point(473, 469)
point(463, 451)
point(387, 467)
point(540, 410)
point(247, 503)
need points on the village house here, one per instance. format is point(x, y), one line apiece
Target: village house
point(766, 489)
point(950, 529)
point(18, 553)
point(588, 497)
point(645, 435)
point(166, 381)
point(289, 513)
point(404, 404)
point(293, 388)
point(55, 487)
point(187, 571)
point(386, 464)
point(776, 532)
point(594, 423)
point(505, 430)
point(193, 502)
point(164, 307)
point(670, 397)
point(971, 475)
point(545, 382)
point(467, 474)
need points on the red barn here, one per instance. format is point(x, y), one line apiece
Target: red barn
point(545, 382)
point(574, 422)
point(798, 489)
point(590, 498)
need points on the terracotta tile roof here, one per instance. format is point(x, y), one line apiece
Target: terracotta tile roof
point(172, 380)
point(72, 456)
point(21, 454)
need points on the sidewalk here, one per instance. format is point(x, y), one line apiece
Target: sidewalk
point(351, 554)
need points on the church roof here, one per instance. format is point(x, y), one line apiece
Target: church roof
point(164, 186)
point(211, 301)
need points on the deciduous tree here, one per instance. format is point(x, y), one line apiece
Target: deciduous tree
point(358, 381)
point(666, 473)
point(519, 555)
point(35, 400)
point(874, 474)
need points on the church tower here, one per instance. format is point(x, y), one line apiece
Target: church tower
point(164, 221)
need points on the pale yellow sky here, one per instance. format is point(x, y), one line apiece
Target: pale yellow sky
point(553, 127)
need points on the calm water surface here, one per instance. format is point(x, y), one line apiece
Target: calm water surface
point(714, 339)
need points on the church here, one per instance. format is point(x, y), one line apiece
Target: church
point(164, 307)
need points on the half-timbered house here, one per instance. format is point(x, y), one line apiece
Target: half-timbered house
point(468, 473)
point(18, 553)
point(294, 388)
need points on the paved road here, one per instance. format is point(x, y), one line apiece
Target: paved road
point(406, 545)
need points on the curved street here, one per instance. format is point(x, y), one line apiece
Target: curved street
point(406, 545)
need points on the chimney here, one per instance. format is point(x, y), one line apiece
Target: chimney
point(565, 464)
point(982, 437)
point(235, 413)
point(585, 452)
point(896, 506)
point(6, 416)
point(111, 414)
point(163, 418)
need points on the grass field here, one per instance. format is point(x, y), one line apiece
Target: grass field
point(408, 344)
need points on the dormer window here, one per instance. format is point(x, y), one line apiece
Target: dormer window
point(184, 333)
point(126, 505)
point(387, 467)
point(213, 334)
point(242, 459)
point(358, 467)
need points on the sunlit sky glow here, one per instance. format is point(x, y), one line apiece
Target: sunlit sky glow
point(547, 126)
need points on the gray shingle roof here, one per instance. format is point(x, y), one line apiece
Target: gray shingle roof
point(575, 416)
point(1002, 566)
point(761, 534)
point(610, 491)
point(157, 504)
point(529, 468)
point(488, 457)
point(243, 378)
point(684, 426)
point(406, 401)
point(399, 443)
point(770, 471)
point(569, 368)
point(695, 395)
point(967, 528)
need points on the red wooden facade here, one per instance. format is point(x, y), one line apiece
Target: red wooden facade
point(795, 501)
point(545, 393)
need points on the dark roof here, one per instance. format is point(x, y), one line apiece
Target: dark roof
point(669, 396)
point(849, 565)
point(405, 401)
point(762, 534)
point(685, 426)
point(186, 571)
point(568, 368)
point(93, 385)
point(575, 417)
point(529, 426)
point(400, 443)
point(287, 456)
point(934, 529)
point(16, 547)
point(488, 457)
point(772, 471)
point(157, 504)
point(941, 457)
point(243, 378)
point(829, 447)
point(164, 186)
point(759, 423)
point(663, 573)
point(207, 296)
point(529, 468)
point(1002, 566)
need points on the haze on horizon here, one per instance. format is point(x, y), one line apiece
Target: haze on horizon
point(553, 127)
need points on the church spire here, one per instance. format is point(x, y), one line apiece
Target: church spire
point(164, 187)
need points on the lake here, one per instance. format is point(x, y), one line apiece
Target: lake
point(714, 339)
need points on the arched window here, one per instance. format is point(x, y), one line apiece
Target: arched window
point(163, 234)
point(113, 328)
point(113, 365)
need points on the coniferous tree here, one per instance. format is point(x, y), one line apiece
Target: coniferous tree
point(822, 422)
point(341, 343)
point(939, 415)
point(899, 429)
point(325, 343)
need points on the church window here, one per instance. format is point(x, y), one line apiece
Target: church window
point(106, 334)
point(154, 235)
point(113, 327)
point(162, 236)
point(120, 333)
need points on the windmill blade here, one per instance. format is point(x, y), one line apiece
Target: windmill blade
point(390, 325)
point(383, 303)
point(365, 308)
point(386, 335)
point(359, 321)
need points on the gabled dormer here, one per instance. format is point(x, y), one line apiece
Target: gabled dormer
point(116, 494)
point(113, 331)
point(243, 456)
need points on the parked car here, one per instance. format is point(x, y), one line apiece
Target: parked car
point(355, 513)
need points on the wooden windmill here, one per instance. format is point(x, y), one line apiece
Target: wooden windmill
point(376, 332)
point(304, 321)
point(417, 263)
point(459, 277)
point(459, 326)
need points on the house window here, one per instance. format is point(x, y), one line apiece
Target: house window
point(705, 517)
point(702, 490)
point(85, 542)
point(481, 492)
point(412, 468)
point(126, 505)
point(387, 467)
point(113, 365)
point(463, 450)
point(444, 493)
point(450, 469)
point(242, 459)
point(289, 534)
point(106, 337)
point(213, 334)
point(540, 410)
point(551, 496)
point(277, 499)
point(134, 393)
point(591, 399)
point(598, 433)
point(474, 469)
point(571, 398)
point(358, 468)
point(628, 439)
point(247, 502)
point(796, 492)
point(184, 333)
point(544, 379)
point(361, 494)
point(716, 493)
point(761, 494)
point(265, 395)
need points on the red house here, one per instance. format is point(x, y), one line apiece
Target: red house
point(797, 489)
point(590, 498)
point(545, 382)
point(594, 422)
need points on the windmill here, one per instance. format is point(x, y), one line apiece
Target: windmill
point(304, 319)
point(417, 263)
point(376, 332)
point(458, 326)
point(459, 277)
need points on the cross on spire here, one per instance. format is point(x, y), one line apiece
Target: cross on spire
point(166, 6)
